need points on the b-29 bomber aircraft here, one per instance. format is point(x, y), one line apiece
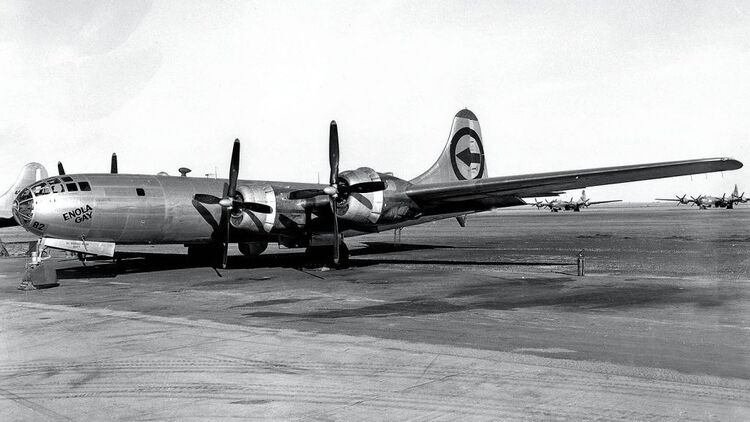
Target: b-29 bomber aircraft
point(92, 213)
point(557, 205)
point(705, 201)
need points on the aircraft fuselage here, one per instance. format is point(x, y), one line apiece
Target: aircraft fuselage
point(145, 209)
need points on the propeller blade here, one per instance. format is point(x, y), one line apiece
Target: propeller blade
point(226, 239)
point(113, 164)
point(234, 168)
point(206, 199)
point(333, 153)
point(336, 239)
point(305, 193)
point(60, 169)
point(364, 187)
point(254, 207)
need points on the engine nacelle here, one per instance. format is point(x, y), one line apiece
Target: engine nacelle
point(255, 221)
point(363, 208)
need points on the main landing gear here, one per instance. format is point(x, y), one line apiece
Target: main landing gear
point(207, 254)
point(323, 255)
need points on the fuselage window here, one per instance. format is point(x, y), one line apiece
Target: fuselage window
point(85, 187)
point(72, 187)
point(140, 192)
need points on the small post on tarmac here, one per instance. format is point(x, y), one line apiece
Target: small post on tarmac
point(397, 236)
point(581, 264)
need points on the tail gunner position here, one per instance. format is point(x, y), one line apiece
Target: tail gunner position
point(93, 213)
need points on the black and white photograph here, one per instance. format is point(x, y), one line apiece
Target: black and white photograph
point(289, 210)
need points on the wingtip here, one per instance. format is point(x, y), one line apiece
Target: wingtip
point(736, 164)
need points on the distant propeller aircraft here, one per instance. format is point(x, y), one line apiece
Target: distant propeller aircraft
point(704, 201)
point(557, 205)
point(92, 213)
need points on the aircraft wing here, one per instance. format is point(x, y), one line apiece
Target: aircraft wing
point(529, 185)
point(604, 202)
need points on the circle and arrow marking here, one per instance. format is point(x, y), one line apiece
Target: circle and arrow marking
point(467, 156)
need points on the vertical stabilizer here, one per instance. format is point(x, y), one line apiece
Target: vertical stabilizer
point(463, 155)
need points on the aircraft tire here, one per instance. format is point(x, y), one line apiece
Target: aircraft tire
point(251, 249)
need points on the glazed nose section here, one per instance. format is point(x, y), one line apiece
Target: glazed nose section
point(23, 207)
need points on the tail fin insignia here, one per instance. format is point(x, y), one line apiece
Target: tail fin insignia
point(467, 154)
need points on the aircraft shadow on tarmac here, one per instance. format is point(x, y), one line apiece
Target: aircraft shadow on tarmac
point(145, 262)
point(519, 294)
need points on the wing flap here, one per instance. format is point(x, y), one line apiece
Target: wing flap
point(535, 184)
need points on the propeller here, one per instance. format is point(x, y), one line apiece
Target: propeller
point(232, 202)
point(682, 199)
point(60, 169)
point(337, 189)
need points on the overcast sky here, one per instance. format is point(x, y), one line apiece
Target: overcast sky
point(555, 86)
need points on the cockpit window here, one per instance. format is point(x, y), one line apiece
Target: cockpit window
point(40, 189)
point(72, 187)
point(84, 186)
point(23, 206)
point(66, 178)
point(57, 187)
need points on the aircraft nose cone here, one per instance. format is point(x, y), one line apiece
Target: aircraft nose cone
point(23, 207)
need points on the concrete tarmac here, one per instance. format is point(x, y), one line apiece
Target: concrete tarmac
point(485, 322)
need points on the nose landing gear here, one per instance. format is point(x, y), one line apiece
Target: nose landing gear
point(37, 275)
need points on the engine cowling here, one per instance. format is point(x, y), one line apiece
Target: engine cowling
point(254, 221)
point(362, 208)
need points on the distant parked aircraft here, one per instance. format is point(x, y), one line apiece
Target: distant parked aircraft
point(705, 201)
point(559, 204)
